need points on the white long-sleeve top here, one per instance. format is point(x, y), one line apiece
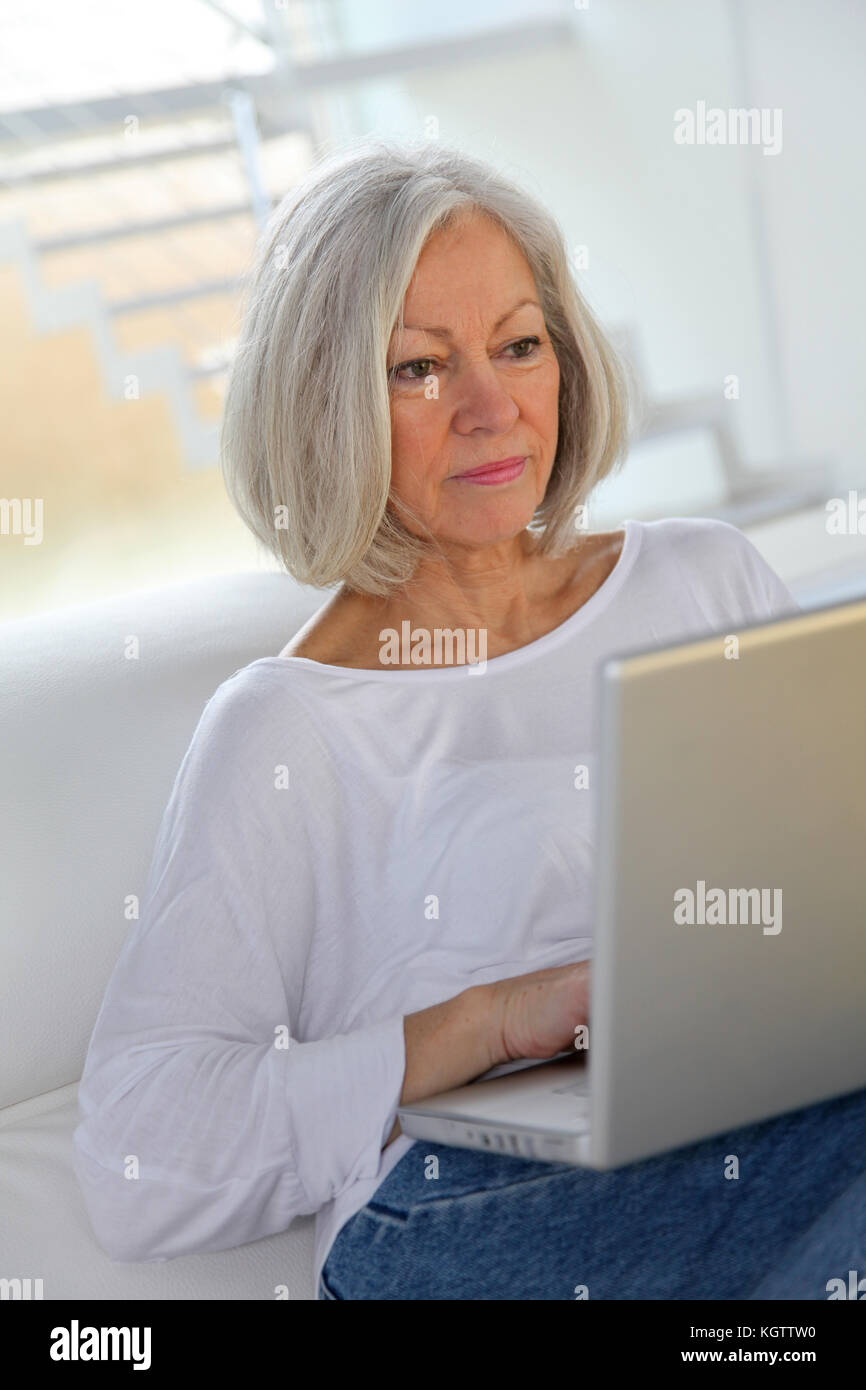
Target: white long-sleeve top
point(343, 847)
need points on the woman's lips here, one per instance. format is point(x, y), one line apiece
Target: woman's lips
point(503, 471)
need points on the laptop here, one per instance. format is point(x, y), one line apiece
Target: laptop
point(729, 960)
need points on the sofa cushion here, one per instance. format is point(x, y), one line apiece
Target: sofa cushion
point(91, 739)
point(45, 1233)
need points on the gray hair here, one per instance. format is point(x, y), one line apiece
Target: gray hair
point(305, 446)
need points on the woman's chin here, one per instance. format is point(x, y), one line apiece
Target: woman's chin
point(496, 528)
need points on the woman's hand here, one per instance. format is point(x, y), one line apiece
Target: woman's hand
point(535, 1015)
point(458, 1040)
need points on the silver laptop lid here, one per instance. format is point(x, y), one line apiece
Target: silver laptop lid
point(733, 786)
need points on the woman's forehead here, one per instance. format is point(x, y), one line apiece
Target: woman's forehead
point(485, 277)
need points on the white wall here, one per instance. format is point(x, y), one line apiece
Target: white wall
point(811, 60)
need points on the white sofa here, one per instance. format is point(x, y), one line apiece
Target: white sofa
point(89, 746)
point(90, 742)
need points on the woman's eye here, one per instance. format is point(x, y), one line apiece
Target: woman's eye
point(528, 343)
point(422, 367)
point(424, 364)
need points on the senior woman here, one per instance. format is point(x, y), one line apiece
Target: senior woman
point(372, 878)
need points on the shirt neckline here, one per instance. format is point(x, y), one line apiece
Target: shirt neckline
point(583, 615)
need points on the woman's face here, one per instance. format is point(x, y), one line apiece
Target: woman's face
point(477, 382)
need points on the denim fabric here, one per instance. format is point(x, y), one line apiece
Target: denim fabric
point(493, 1226)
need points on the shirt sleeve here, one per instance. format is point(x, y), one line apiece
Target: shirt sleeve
point(204, 1122)
point(719, 559)
point(771, 596)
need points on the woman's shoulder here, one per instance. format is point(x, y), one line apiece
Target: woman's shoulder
point(720, 561)
point(702, 543)
point(252, 706)
point(695, 533)
point(254, 730)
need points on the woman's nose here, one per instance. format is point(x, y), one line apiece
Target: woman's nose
point(483, 400)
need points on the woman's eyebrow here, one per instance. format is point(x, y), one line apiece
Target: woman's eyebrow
point(438, 331)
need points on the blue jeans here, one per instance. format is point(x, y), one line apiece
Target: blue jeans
point(493, 1226)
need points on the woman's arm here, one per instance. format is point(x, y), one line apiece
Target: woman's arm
point(207, 1120)
point(447, 1045)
